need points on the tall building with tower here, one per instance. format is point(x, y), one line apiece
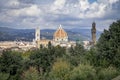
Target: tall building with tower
point(60, 37)
point(93, 32)
point(37, 36)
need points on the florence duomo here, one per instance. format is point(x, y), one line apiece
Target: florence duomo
point(59, 39)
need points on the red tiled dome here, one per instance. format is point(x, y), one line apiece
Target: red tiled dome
point(60, 33)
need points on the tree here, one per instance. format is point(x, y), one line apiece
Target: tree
point(107, 73)
point(71, 50)
point(90, 56)
point(108, 46)
point(31, 74)
point(76, 54)
point(11, 63)
point(49, 45)
point(59, 51)
point(59, 70)
point(4, 76)
point(79, 50)
point(83, 72)
point(41, 59)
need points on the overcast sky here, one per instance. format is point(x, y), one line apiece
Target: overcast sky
point(51, 13)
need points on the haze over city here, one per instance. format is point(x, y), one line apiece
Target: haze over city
point(49, 14)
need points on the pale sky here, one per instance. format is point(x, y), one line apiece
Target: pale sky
point(49, 14)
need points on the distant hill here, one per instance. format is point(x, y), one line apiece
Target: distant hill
point(86, 32)
point(9, 34)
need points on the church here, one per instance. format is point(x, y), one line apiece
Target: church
point(60, 37)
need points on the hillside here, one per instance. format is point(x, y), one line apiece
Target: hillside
point(9, 34)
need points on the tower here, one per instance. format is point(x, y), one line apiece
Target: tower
point(37, 37)
point(93, 32)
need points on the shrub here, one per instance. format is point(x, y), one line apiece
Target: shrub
point(83, 72)
point(107, 73)
point(31, 74)
point(59, 70)
point(4, 76)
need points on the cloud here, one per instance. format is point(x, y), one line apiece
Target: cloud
point(13, 3)
point(57, 5)
point(51, 13)
point(33, 10)
point(107, 1)
point(84, 9)
point(84, 5)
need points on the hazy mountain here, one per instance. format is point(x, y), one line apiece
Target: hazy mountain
point(9, 34)
point(86, 32)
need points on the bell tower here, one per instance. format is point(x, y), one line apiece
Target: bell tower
point(37, 37)
point(93, 32)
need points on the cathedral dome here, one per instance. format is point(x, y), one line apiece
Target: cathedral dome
point(60, 34)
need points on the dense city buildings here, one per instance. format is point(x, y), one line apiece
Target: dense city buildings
point(60, 37)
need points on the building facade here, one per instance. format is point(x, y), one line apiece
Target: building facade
point(60, 35)
point(37, 37)
point(93, 32)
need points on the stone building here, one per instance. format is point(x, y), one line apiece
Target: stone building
point(93, 32)
point(60, 35)
point(37, 37)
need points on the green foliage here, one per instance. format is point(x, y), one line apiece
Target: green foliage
point(26, 54)
point(90, 56)
point(4, 76)
point(43, 58)
point(59, 70)
point(11, 63)
point(59, 51)
point(78, 50)
point(10, 60)
point(83, 72)
point(108, 46)
point(77, 54)
point(49, 45)
point(31, 74)
point(107, 73)
point(40, 59)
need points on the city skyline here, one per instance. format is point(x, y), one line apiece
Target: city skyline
point(50, 14)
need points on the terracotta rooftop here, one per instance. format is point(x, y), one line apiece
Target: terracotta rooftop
point(60, 33)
